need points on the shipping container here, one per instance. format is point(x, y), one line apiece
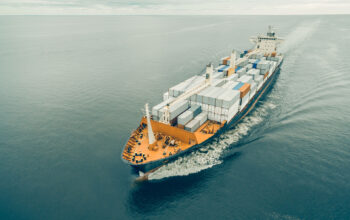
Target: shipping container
point(246, 79)
point(175, 109)
point(232, 77)
point(195, 109)
point(244, 89)
point(229, 97)
point(185, 117)
point(165, 96)
point(254, 73)
point(193, 125)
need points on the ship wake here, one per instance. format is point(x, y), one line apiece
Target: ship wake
point(213, 153)
point(303, 32)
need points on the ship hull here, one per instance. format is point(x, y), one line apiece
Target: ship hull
point(234, 121)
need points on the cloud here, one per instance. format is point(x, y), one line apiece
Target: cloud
point(174, 7)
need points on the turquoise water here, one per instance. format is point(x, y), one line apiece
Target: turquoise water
point(72, 89)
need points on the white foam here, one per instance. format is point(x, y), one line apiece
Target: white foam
point(299, 35)
point(212, 154)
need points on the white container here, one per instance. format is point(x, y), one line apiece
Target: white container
point(254, 73)
point(192, 126)
point(229, 97)
point(244, 101)
point(233, 77)
point(185, 117)
point(202, 118)
point(165, 96)
point(246, 79)
point(253, 88)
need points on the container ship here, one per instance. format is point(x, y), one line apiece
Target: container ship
point(198, 109)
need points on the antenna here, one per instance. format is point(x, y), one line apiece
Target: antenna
point(233, 59)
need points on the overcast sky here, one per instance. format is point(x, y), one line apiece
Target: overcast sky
point(164, 7)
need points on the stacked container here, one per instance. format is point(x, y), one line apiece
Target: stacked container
point(175, 109)
point(217, 101)
point(225, 61)
point(182, 87)
point(246, 79)
point(241, 72)
point(253, 88)
point(244, 89)
point(193, 125)
point(158, 107)
point(254, 73)
point(188, 115)
point(259, 80)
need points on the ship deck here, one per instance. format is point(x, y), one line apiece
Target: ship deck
point(169, 142)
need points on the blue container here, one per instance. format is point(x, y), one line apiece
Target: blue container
point(246, 51)
point(238, 86)
point(255, 64)
point(238, 68)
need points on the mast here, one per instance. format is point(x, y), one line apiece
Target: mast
point(151, 138)
point(209, 73)
point(233, 59)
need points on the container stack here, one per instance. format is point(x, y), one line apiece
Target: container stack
point(175, 109)
point(188, 115)
point(263, 66)
point(253, 88)
point(218, 102)
point(165, 96)
point(182, 87)
point(254, 73)
point(225, 61)
point(158, 107)
point(241, 72)
point(246, 79)
point(192, 126)
point(232, 77)
point(221, 100)
point(243, 63)
point(244, 89)
point(259, 81)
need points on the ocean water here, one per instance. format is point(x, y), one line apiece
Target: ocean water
point(72, 89)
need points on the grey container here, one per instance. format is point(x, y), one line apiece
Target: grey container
point(233, 77)
point(249, 66)
point(195, 109)
point(185, 117)
point(175, 109)
point(229, 98)
point(205, 94)
point(241, 72)
point(202, 118)
point(156, 108)
point(193, 125)
point(218, 82)
point(246, 79)
point(254, 73)
point(200, 96)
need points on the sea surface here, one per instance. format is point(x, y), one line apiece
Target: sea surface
point(72, 89)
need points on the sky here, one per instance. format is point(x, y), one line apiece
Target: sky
point(172, 7)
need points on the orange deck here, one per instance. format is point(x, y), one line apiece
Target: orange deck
point(169, 141)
